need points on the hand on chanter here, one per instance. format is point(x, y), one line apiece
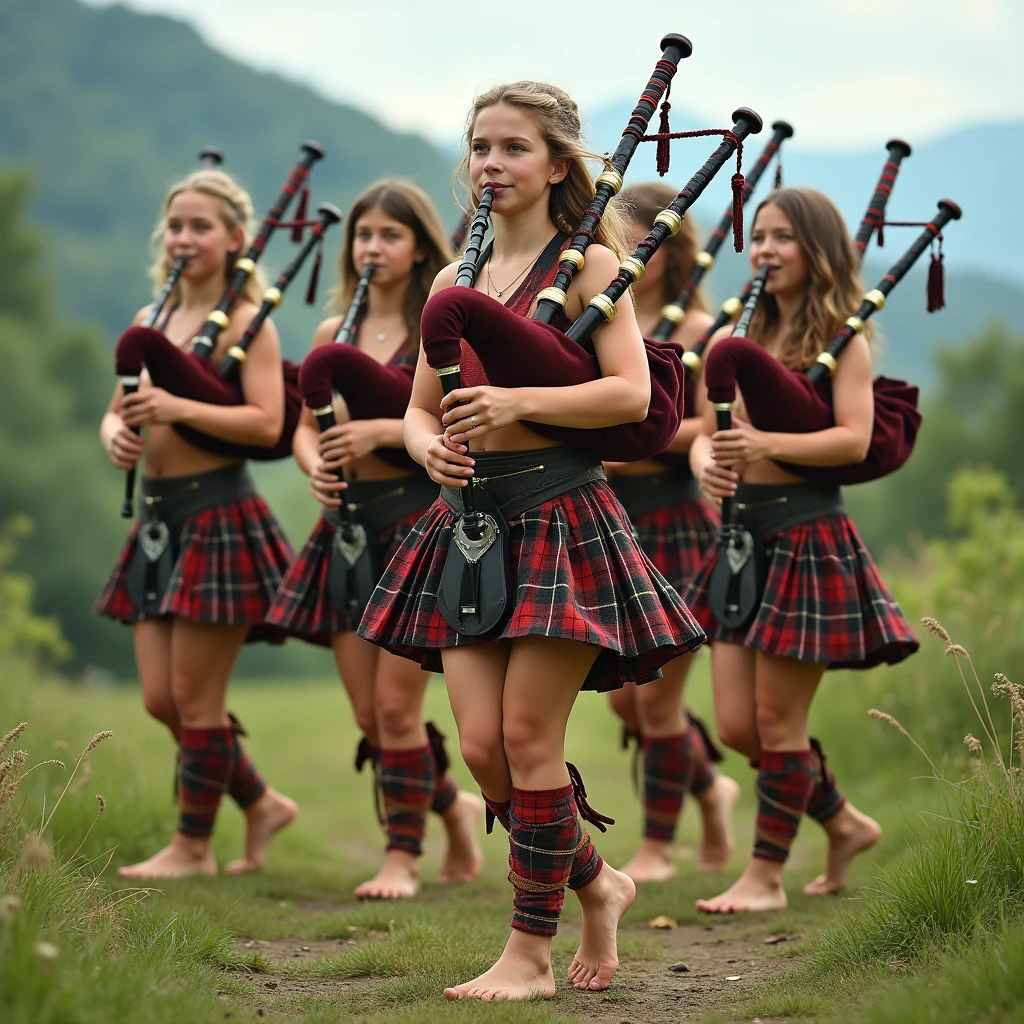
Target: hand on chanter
point(718, 481)
point(448, 463)
point(325, 486)
point(467, 413)
point(743, 443)
point(125, 448)
point(153, 405)
point(343, 443)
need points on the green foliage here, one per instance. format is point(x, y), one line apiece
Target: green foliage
point(975, 416)
point(22, 633)
point(53, 389)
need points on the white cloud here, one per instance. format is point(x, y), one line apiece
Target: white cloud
point(843, 71)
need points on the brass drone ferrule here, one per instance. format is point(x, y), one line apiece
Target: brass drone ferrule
point(604, 306)
point(705, 260)
point(673, 312)
point(611, 178)
point(671, 220)
point(692, 361)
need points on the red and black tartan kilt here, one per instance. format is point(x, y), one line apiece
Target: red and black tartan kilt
point(230, 563)
point(824, 600)
point(676, 537)
point(302, 606)
point(580, 575)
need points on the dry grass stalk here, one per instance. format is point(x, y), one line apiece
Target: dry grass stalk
point(889, 720)
point(90, 746)
point(12, 736)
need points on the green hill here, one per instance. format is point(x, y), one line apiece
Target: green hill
point(107, 107)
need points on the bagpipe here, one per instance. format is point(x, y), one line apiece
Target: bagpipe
point(779, 399)
point(872, 222)
point(514, 351)
point(738, 578)
point(192, 374)
point(672, 314)
point(370, 389)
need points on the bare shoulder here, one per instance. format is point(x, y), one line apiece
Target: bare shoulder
point(445, 277)
point(327, 331)
point(600, 265)
point(141, 315)
point(855, 359)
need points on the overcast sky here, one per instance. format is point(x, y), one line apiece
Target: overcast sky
point(845, 72)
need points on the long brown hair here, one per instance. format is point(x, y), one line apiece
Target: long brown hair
point(557, 118)
point(834, 287)
point(409, 205)
point(643, 202)
point(235, 209)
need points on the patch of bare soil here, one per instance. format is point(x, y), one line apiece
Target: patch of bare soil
point(691, 971)
point(272, 993)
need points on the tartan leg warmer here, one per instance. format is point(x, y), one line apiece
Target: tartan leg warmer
point(586, 865)
point(246, 785)
point(668, 771)
point(545, 838)
point(827, 800)
point(445, 789)
point(784, 785)
point(206, 762)
point(407, 785)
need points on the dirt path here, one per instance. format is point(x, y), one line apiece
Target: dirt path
point(682, 973)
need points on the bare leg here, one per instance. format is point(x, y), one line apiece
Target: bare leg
point(398, 688)
point(202, 658)
point(783, 691)
point(543, 679)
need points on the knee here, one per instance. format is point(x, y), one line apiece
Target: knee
point(527, 746)
point(657, 709)
point(161, 707)
point(367, 722)
point(396, 717)
point(772, 725)
point(738, 736)
point(484, 756)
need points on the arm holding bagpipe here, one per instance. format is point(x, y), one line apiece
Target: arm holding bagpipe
point(621, 392)
point(257, 419)
point(781, 400)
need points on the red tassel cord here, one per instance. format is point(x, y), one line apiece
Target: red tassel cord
point(936, 282)
point(778, 174)
point(881, 234)
point(300, 216)
point(738, 185)
point(664, 131)
point(314, 276)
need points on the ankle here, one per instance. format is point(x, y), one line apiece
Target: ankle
point(527, 946)
point(193, 847)
point(766, 873)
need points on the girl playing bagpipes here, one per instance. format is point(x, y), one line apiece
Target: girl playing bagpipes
point(198, 573)
point(675, 526)
point(818, 601)
point(585, 608)
point(394, 247)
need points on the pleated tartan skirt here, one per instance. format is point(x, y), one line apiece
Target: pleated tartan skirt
point(301, 606)
point(579, 575)
point(824, 600)
point(231, 560)
point(676, 537)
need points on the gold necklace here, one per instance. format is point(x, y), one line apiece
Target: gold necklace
point(500, 292)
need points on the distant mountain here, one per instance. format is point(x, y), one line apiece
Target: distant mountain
point(957, 166)
point(107, 107)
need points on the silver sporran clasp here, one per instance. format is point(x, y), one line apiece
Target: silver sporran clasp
point(154, 537)
point(350, 540)
point(473, 549)
point(741, 547)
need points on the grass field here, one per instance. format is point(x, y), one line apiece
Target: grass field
point(293, 940)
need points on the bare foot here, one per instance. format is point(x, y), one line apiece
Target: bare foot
point(604, 901)
point(523, 971)
point(398, 879)
point(464, 859)
point(758, 888)
point(182, 857)
point(651, 863)
point(716, 806)
point(263, 819)
point(850, 832)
